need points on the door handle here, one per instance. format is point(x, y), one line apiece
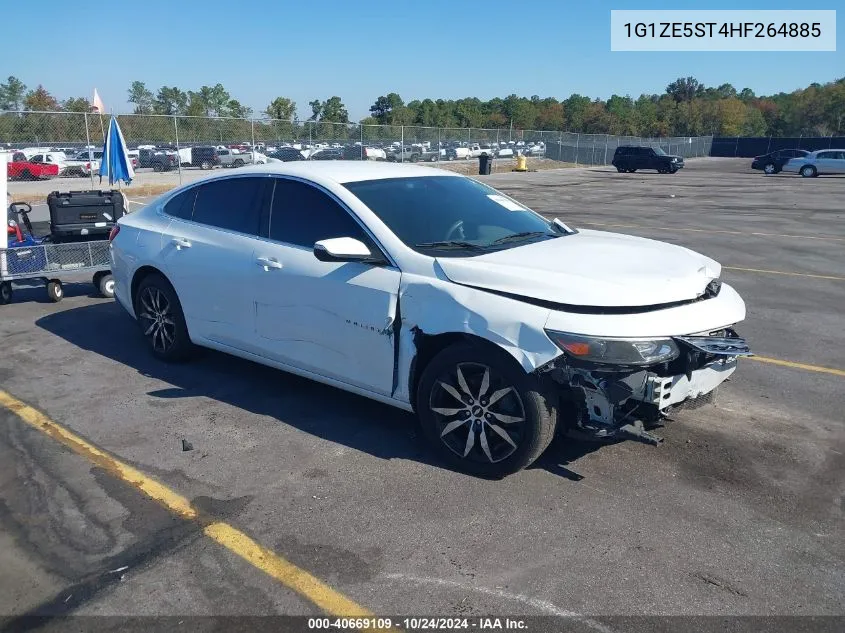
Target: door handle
point(268, 262)
point(180, 242)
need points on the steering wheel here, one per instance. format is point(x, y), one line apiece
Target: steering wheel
point(457, 226)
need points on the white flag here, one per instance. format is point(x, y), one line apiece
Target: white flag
point(98, 103)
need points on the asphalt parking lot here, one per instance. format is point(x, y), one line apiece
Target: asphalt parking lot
point(739, 512)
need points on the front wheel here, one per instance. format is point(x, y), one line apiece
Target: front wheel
point(808, 171)
point(162, 320)
point(158, 167)
point(5, 293)
point(769, 168)
point(482, 413)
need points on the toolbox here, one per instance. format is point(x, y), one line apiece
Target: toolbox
point(84, 215)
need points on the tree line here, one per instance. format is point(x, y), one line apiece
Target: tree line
point(686, 108)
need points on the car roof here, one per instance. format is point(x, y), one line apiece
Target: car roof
point(344, 171)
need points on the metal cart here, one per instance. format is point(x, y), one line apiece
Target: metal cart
point(50, 263)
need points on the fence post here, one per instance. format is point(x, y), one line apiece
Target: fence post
point(88, 143)
point(252, 124)
point(577, 140)
point(606, 141)
point(438, 144)
point(310, 142)
point(362, 141)
point(401, 143)
point(178, 155)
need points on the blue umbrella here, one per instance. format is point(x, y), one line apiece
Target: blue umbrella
point(115, 165)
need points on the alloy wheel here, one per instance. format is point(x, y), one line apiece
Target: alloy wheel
point(769, 169)
point(479, 415)
point(157, 319)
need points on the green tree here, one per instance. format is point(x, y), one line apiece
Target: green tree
point(385, 106)
point(281, 108)
point(170, 100)
point(12, 94)
point(685, 89)
point(236, 109)
point(333, 111)
point(316, 109)
point(77, 104)
point(141, 97)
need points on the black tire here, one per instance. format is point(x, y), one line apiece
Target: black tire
point(106, 285)
point(157, 167)
point(55, 292)
point(5, 293)
point(808, 171)
point(673, 170)
point(415, 158)
point(27, 175)
point(531, 429)
point(621, 170)
point(433, 159)
point(238, 163)
point(156, 294)
point(205, 165)
point(770, 168)
point(632, 170)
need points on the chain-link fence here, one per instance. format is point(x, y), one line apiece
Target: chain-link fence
point(176, 144)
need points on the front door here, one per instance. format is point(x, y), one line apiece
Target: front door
point(331, 318)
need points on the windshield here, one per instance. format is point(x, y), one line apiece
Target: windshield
point(659, 151)
point(454, 214)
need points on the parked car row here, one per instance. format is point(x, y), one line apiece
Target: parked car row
point(50, 164)
point(798, 161)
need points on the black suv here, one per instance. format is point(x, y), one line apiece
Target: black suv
point(630, 158)
point(773, 162)
point(204, 157)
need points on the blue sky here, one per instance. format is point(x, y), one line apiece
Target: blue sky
point(360, 50)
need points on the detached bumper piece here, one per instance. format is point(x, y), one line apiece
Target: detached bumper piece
point(613, 402)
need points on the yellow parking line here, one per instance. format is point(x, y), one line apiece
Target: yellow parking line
point(755, 233)
point(782, 272)
point(288, 574)
point(793, 365)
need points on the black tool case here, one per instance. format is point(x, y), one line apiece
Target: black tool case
point(84, 215)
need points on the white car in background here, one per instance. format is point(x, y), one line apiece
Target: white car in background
point(434, 293)
point(819, 163)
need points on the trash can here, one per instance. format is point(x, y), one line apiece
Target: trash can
point(485, 164)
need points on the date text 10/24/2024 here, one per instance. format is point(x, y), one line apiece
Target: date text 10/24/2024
point(729, 30)
point(418, 624)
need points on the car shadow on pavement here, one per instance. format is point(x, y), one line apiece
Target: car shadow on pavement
point(326, 412)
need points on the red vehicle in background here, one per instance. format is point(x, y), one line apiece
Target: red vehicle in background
point(22, 169)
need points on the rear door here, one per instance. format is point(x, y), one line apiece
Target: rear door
point(331, 318)
point(207, 253)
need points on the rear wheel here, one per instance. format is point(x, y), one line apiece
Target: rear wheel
point(482, 413)
point(808, 171)
point(621, 170)
point(158, 167)
point(205, 165)
point(769, 168)
point(5, 293)
point(106, 285)
point(55, 291)
point(238, 163)
point(161, 319)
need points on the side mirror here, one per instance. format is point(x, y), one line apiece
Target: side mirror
point(562, 227)
point(341, 249)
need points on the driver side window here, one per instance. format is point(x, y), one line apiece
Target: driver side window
point(303, 215)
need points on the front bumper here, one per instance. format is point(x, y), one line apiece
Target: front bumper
point(608, 399)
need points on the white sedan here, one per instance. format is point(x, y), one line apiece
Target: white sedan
point(434, 293)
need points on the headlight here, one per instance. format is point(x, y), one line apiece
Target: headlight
point(615, 351)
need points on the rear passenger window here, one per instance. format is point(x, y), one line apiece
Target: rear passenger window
point(231, 203)
point(182, 205)
point(303, 215)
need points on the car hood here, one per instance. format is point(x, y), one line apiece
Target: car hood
point(589, 268)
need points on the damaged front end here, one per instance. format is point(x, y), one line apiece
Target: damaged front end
point(620, 388)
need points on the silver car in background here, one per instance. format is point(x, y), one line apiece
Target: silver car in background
point(818, 163)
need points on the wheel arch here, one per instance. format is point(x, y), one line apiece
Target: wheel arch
point(142, 273)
